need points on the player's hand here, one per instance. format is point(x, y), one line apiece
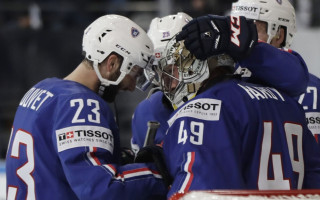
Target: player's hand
point(154, 153)
point(210, 35)
point(127, 156)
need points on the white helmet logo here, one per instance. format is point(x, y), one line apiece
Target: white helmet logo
point(134, 32)
point(166, 34)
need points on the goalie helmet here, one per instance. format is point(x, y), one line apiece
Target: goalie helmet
point(114, 33)
point(161, 30)
point(181, 74)
point(274, 12)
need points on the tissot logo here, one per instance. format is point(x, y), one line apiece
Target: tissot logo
point(84, 136)
point(62, 136)
point(203, 109)
point(203, 106)
point(313, 120)
point(69, 134)
point(85, 133)
point(245, 8)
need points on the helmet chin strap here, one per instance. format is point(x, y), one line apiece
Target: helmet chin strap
point(102, 80)
point(107, 89)
point(271, 31)
point(106, 82)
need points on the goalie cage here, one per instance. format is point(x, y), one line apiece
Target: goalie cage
point(248, 194)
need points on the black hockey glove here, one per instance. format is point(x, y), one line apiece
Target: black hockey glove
point(154, 153)
point(210, 35)
point(127, 156)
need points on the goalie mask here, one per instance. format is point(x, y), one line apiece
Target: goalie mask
point(117, 34)
point(181, 74)
point(276, 13)
point(161, 30)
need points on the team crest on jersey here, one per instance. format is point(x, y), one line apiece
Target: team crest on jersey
point(165, 34)
point(84, 136)
point(279, 1)
point(134, 32)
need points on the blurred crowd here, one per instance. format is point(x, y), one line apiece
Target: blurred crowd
point(41, 39)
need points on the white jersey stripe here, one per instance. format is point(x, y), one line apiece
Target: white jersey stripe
point(137, 173)
point(111, 169)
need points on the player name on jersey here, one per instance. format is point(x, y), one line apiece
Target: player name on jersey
point(34, 98)
point(262, 93)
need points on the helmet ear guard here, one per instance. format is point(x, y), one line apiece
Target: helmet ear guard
point(276, 14)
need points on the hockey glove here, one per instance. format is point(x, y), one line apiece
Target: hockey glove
point(154, 153)
point(127, 156)
point(210, 35)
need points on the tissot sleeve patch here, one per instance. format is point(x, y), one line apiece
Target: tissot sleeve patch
point(84, 136)
point(204, 109)
point(313, 119)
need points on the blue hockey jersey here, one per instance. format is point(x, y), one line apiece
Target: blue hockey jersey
point(283, 69)
point(238, 135)
point(65, 145)
point(267, 64)
point(311, 105)
point(151, 109)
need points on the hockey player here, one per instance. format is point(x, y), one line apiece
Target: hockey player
point(64, 142)
point(264, 63)
point(157, 107)
point(276, 25)
point(232, 134)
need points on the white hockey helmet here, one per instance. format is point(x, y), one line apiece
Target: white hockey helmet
point(161, 30)
point(274, 12)
point(191, 73)
point(115, 33)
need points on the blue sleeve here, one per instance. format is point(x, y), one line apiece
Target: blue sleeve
point(87, 144)
point(139, 126)
point(284, 70)
point(151, 109)
point(91, 175)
